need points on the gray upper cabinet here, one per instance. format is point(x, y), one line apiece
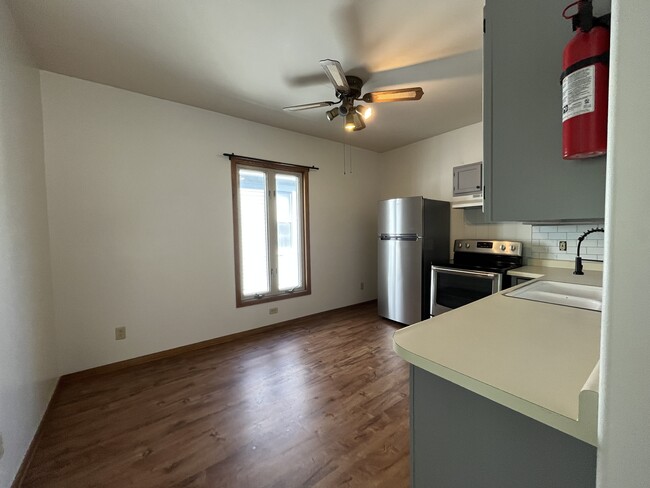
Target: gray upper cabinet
point(526, 178)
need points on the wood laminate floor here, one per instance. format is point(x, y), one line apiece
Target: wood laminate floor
point(321, 402)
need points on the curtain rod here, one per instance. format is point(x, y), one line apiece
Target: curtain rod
point(233, 155)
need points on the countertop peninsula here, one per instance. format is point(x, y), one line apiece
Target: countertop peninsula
point(539, 359)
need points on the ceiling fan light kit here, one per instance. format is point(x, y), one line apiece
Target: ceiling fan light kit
point(365, 112)
point(348, 90)
point(349, 122)
point(332, 114)
point(359, 124)
point(354, 121)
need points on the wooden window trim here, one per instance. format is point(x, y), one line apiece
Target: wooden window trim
point(304, 172)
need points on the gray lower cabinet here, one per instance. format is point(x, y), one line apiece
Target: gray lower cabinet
point(526, 178)
point(462, 440)
point(518, 280)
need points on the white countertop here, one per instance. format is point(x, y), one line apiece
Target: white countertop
point(536, 358)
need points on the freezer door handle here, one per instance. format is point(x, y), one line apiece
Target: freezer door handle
point(400, 237)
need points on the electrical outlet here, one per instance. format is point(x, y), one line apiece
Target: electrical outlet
point(273, 310)
point(362, 285)
point(120, 333)
point(562, 245)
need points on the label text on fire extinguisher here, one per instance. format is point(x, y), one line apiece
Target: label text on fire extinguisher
point(578, 91)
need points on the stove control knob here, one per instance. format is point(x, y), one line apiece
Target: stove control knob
point(460, 244)
point(467, 245)
point(513, 248)
point(503, 247)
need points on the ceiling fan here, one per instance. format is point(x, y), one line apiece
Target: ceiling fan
point(348, 91)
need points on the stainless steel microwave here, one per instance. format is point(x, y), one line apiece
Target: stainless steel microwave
point(468, 186)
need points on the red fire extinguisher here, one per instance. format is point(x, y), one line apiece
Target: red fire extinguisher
point(585, 80)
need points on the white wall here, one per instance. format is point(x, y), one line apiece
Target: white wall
point(426, 168)
point(27, 364)
point(625, 352)
point(139, 199)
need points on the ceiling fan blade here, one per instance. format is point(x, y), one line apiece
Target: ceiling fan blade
point(335, 73)
point(469, 63)
point(400, 95)
point(307, 106)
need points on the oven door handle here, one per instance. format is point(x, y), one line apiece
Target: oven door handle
point(465, 272)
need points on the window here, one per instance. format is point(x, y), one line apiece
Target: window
point(270, 213)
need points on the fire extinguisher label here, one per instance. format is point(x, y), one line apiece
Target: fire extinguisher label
point(578, 91)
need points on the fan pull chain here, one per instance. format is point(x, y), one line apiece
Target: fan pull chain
point(350, 158)
point(347, 159)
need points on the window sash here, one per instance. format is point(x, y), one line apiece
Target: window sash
point(283, 207)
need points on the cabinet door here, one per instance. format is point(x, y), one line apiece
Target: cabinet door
point(526, 178)
point(461, 440)
point(467, 179)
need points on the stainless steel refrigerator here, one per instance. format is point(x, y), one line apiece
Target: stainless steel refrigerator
point(413, 233)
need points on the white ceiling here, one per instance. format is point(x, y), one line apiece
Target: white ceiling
point(250, 58)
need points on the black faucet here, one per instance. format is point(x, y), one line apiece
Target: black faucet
point(578, 268)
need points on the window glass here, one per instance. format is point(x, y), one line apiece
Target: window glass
point(289, 231)
point(253, 232)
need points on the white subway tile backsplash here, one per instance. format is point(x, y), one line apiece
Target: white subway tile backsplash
point(548, 256)
point(545, 242)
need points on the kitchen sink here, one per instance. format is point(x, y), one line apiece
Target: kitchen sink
point(558, 293)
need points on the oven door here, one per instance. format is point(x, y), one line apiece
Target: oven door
point(452, 288)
